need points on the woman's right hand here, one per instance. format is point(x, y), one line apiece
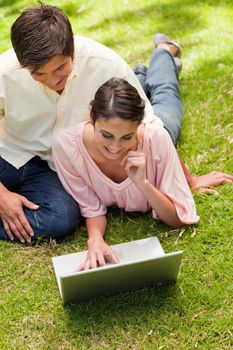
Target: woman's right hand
point(98, 251)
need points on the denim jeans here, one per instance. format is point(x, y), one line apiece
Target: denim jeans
point(160, 82)
point(58, 213)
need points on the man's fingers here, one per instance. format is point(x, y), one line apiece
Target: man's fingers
point(16, 232)
point(21, 228)
point(29, 204)
point(7, 229)
point(24, 226)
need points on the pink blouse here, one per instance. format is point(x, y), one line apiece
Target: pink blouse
point(94, 191)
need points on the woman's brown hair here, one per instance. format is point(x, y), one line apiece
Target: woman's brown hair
point(117, 98)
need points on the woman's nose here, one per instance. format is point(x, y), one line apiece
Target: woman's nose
point(115, 145)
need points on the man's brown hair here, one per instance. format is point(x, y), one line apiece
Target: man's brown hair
point(41, 33)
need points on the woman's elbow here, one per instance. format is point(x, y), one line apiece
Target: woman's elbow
point(177, 224)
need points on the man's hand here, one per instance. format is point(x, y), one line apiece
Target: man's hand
point(204, 183)
point(14, 220)
point(98, 251)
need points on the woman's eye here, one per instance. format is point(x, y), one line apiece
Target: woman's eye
point(107, 136)
point(127, 138)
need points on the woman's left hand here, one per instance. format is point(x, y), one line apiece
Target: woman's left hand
point(135, 164)
point(205, 183)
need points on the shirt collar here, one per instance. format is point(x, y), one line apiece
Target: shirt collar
point(72, 75)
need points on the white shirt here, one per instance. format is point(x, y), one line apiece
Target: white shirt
point(30, 112)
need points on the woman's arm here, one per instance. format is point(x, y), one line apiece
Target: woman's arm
point(98, 250)
point(135, 163)
point(163, 206)
point(205, 183)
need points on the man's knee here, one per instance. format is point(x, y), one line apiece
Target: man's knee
point(58, 219)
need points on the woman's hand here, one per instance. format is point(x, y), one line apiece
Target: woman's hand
point(98, 253)
point(135, 164)
point(205, 183)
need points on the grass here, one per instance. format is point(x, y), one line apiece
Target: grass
point(195, 313)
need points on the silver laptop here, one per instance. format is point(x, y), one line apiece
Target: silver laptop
point(141, 263)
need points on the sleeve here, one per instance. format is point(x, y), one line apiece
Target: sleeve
point(71, 171)
point(170, 179)
point(2, 109)
point(2, 103)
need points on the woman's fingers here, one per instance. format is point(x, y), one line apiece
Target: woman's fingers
point(98, 260)
point(139, 144)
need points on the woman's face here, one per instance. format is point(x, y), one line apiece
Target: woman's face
point(115, 136)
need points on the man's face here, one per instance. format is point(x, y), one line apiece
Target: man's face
point(54, 73)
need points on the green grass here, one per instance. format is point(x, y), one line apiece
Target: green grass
point(197, 312)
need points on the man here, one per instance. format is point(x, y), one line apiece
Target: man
point(46, 83)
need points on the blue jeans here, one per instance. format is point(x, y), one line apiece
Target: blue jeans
point(58, 213)
point(160, 82)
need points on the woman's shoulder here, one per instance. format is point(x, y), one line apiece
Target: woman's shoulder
point(158, 141)
point(66, 140)
point(68, 148)
point(69, 132)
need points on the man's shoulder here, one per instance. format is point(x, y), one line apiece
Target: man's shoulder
point(89, 48)
point(8, 61)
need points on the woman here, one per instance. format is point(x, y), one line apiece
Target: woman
point(114, 159)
